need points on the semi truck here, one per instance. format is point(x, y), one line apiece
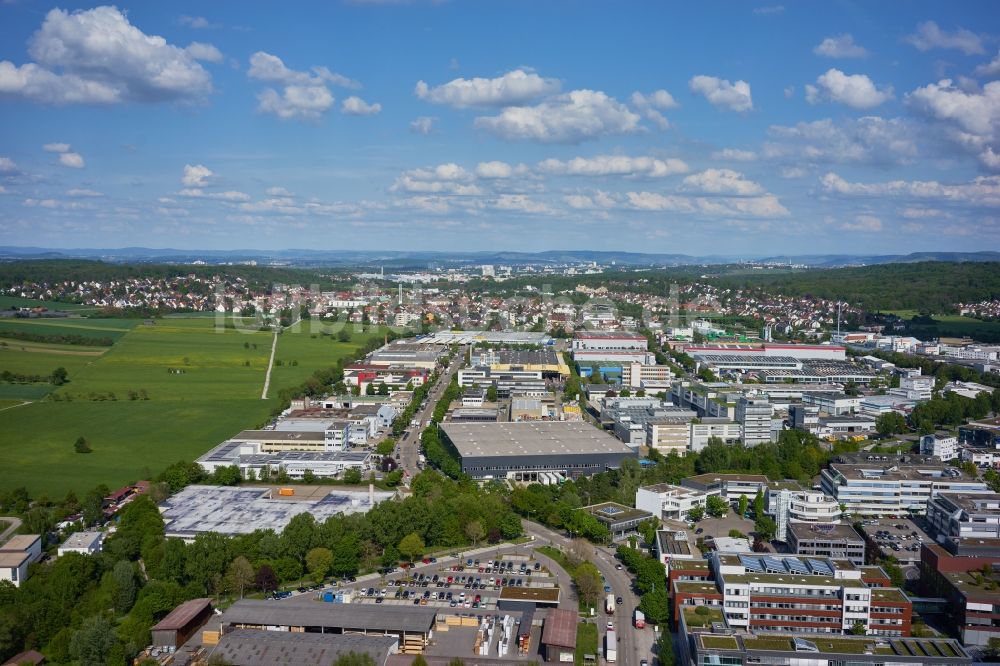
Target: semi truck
point(609, 604)
point(610, 647)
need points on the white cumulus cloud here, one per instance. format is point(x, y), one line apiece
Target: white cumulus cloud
point(7, 165)
point(355, 106)
point(229, 195)
point(972, 118)
point(868, 223)
point(855, 90)
point(840, 46)
point(304, 95)
point(734, 155)
point(722, 181)
point(929, 36)
point(982, 191)
point(56, 147)
point(97, 56)
point(196, 175)
point(514, 87)
point(650, 106)
point(494, 169)
point(723, 93)
point(614, 165)
point(422, 125)
point(72, 160)
point(202, 51)
point(449, 178)
point(991, 68)
point(865, 140)
point(572, 117)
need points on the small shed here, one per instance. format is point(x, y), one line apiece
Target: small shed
point(559, 635)
point(181, 623)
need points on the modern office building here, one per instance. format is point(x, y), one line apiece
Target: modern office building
point(709, 427)
point(651, 378)
point(943, 448)
point(957, 516)
point(17, 555)
point(881, 489)
point(795, 505)
point(748, 649)
point(754, 417)
point(837, 541)
point(669, 502)
point(832, 403)
point(771, 593)
point(85, 543)
point(521, 451)
point(728, 486)
point(620, 520)
point(972, 587)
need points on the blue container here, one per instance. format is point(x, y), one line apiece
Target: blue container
point(328, 597)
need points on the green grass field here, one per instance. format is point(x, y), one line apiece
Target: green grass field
point(88, 328)
point(955, 326)
point(200, 390)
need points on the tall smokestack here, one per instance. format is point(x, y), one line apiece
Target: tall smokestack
point(371, 494)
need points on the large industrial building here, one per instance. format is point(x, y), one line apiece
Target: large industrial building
point(411, 626)
point(619, 347)
point(240, 510)
point(521, 451)
point(248, 456)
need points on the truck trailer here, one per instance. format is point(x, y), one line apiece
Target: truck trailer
point(610, 647)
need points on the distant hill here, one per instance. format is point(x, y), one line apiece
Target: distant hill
point(399, 260)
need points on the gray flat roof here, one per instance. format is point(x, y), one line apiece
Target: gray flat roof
point(280, 436)
point(531, 438)
point(298, 612)
point(824, 532)
point(82, 539)
point(241, 510)
point(249, 647)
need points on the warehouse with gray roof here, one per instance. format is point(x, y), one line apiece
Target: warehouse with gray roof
point(522, 450)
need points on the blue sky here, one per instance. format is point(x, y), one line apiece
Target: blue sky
point(703, 128)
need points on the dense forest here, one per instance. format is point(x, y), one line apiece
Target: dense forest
point(930, 287)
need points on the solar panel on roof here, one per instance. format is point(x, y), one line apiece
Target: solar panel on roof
point(796, 566)
point(751, 563)
point(611, 510)
point(773, 565)
point(802, 645)
point(820, 567)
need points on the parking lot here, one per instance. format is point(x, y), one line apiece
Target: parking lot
point(899, 537)
point(471, 584)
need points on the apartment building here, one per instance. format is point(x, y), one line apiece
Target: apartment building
point(773, 593)
point(880, 489)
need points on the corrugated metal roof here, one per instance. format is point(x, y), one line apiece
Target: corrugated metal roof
point(559, 628)
point(309, 613)
point(181, 616)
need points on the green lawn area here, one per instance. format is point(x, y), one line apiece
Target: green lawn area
point(200, 392)
point(701, 616)
point(9, 302)
point(586, 641)
point(303, 348)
